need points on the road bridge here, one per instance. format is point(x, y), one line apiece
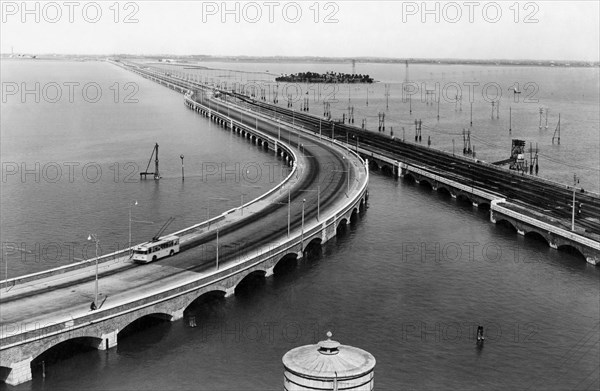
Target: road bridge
point(326, 189)
point(463, 178)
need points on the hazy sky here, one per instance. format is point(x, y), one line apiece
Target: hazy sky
point(562, 30)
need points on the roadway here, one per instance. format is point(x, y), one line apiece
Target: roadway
point(60, 297)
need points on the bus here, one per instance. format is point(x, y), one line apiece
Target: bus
point(153, 251)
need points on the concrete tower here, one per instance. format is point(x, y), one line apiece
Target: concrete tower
point(328, 365)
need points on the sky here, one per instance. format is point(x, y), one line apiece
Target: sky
point(539, 30)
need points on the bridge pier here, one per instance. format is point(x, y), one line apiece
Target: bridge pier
point(177, 314)
point(108, 340)
point(20, 372)
point(270, 271)
point(230, 291)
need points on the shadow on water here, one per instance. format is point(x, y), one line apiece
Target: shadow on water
point(72, 355)
point(252, 284)
point(143, 333)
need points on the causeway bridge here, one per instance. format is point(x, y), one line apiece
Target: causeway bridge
point(531, 205)
point(325, 190)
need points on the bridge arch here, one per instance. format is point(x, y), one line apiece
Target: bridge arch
point(286, 263)
point(56, 351)
point(212, 294)
point(463, 198)
point(484, 206)
point(410, 178)
point(342, 226)
point(354, 216)
point(535, 235)
point(314, 248)
point(570, 249)
point(387, 170)
point(506, 223)
point(143, 322)
point(255, 277)
point(444, 190)
point(425, 182)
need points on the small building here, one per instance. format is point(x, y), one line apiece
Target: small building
point(328, 365)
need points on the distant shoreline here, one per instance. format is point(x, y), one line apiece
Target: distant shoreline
point(194, 59)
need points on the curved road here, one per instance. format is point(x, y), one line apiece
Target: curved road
point(62, 296)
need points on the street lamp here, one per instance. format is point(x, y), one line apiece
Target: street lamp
point(575, 182)
point(130, 205)
point(289, 209)
point(95, 239)
point(302, 236)
point(318, 191)
point(217, 247)
point(243, 194)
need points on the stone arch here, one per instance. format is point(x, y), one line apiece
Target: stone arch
point(286, 263)
point(570, 249)
point(373, 166)
point(426, 183)
point(387, 170)
point(354, 216)
point(463, 198)
point(361, 206)
point(506, 223)
point(484, 206)
point(410, 178)
point(249, 280)
point(341, 226)
point(62, 350)
point(205, 295)
point(314, 248)
point(443, 190)
point(535, 235)
point(141, 322)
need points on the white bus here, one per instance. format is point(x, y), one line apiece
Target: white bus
point(153, 251)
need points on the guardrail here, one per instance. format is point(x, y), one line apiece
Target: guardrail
point(495, 207)
point(124, 252)
point(246, 262)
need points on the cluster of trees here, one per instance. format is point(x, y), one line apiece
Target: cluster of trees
point(328, 77)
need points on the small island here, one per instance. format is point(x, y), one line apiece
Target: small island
point(328, 77)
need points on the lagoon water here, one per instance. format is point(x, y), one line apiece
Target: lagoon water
point(409, 281)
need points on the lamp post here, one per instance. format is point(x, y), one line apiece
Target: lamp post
point(318, 191)
point(242, 196)
point(130, 205)
point(575, 182)
point(302, 236)
point(348, 182)
point(95, 239)
point(217, 247)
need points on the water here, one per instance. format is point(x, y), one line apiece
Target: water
point(78, 164)
point(572, 92)
point(408, 282)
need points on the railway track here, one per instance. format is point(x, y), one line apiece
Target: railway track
point(553, 199)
